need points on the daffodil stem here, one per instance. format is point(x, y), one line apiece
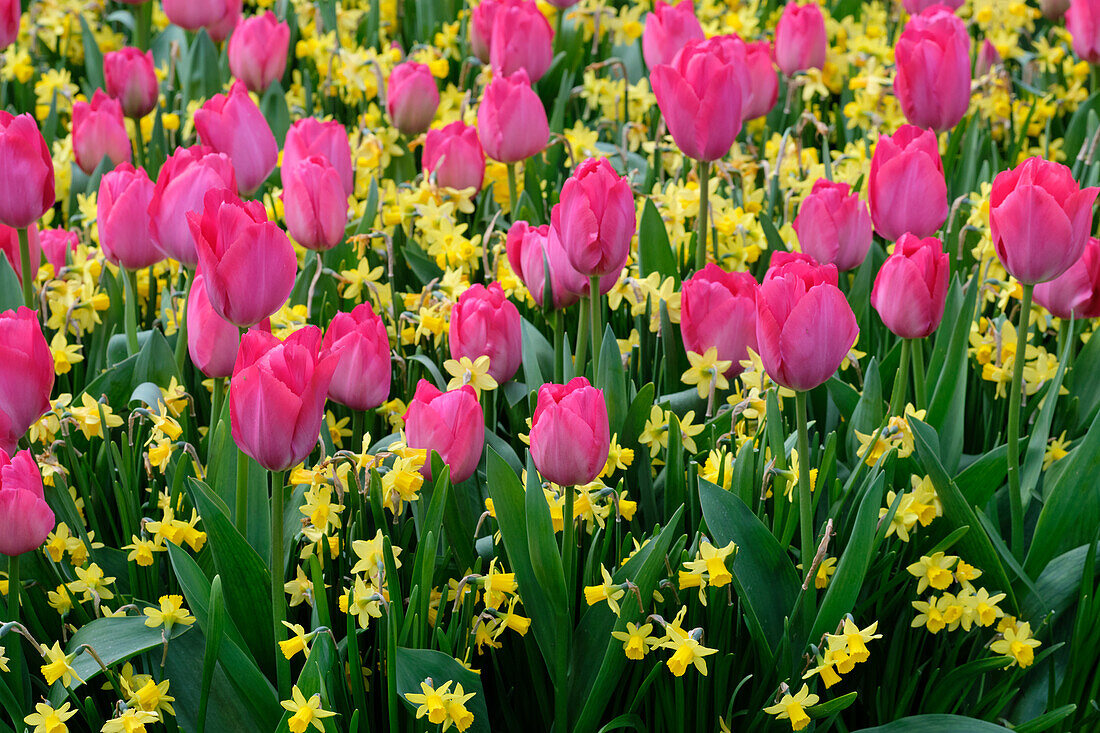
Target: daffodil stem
point(25, 267)
point(901, 381)
point(561, 676)
point(278, 612)
point(1015, 397)
point(582, 337)
point(919, 388)
point(129, 282)
point(15, 650)
point(704, 198)
point(596, 312)
point(805, 520)
point(513, 195)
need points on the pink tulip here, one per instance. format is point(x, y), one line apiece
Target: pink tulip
point(258, 51)
point(521, 39)
point(563, 4)
point(361, 346)
point(315, 204)
point(932, 82)
point(800, 38)
point(56, 246)
point(451, 424)
point(9, 245)
point(1053, 9)
point(223, 27)
point(25, 517)
point(1076, 292)
point(277, 396)
point(913, 7)
point(233, 124)
point(99, 131)
point(212, 341)
point(454, 155)
point(833, 225)
point(718, 310)
point(27, 186)
point(988, 57)
point(595, 218)
point(701, 96)
point(194, 14)
point(529, 249)
point(26, 375)
point(763, 87)
point(485, 323)
point(511, 121)
point(131, 80)
point(411, 97)
point(1040, 219)
point(248, 261)
point(310, 136)
point(481, 25)
point(570, 438)
point(122, 215)
point(10, 11)
point(802, 266)
point(906, 187)
point(804, 331)
point(911, 287)
point(181, 187)
point(668, 29)
point(1083, 23)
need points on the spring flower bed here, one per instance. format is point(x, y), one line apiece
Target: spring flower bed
point(571, 365)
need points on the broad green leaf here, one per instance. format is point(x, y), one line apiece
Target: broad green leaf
point(935, 724)
point(414, 666)
point(1040, 429)
point(1058, 585)
point(654, 251)
point(11, 291)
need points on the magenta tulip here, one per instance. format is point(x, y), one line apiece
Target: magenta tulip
point(668, 29)
point(454, 156)
point(1040, 219)
point(595, 218)
point(530, 249)
point(521, 39)
point(310, 136)
point(911, 287)
point(906, 187)
point(988, 58)
point(914, 7)
point(233, 124)
point(194, 14)
point(800, 38)
point(570, 438)
point(481, 26)
point(315, 204)
point(277, 396)
point(802, 266)
point(833, 225)
point(212, 341)
point(99, 131)
point(411, 97)
point(223, 27)
point(451, 424)
point(248, 261)
point(718, 310)
point(122, 215)
point(511, 121)
point(27, 186)
point(181, 187)
point(485, 323)
point(1083, 23)
point(258, 51)
point(9, 245)
point(10, 12)
point(26, 375)
point(132, 80)
point(763, 87)
point(932, 82)
point(56, 246)
point(1076, 292)
point(361, 346)
point(25, 517)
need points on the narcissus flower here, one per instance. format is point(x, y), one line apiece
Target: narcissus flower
point(792, 707)
point(305, 712)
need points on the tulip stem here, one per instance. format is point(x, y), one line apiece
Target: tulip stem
point(513, 196)
point(278, 504)
point(561, 686)
point(919, 387)
point(901, 381)
point(597, 329)
point(142, 24)
point(129, 282)
point(1015, 397)
point(139, 143)
point(181, 331)
point(15, 649)
point(241, 514)
point(559, 348)
point(582, 338)
point(25, 267)
point(704, 199)
point(805, 521)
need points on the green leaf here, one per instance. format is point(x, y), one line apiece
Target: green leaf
point(11, 291)
point(935, 724)
point(980, 479)
point(947, 372)
point(93, 57)
point(832, 707)
point(416, 665)
point(1058, 585)
point(870, 409)
point(1047, 720)
point(654, 251)
point(612, 381)
point(762, 572)
point(275, 110)
point(1040, 428)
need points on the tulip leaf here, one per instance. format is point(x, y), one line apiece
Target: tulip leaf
point(947, 373)
point(1060, 582)
point(654, 250)
point(1084, 383)
point(980, 479)
point(612, 381)
point(417, 665)
point(11, 292)
point(870, 408)
point(832, 707)
point(1040, 428)
point(275, 111)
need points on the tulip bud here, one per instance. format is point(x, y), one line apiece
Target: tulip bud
point(570, 438)
point(595, 218)
point(9, 245)
point(1083, 23)
point(718, 310)
point(530, 249)
point(485, 323)
point(310, 136)
point(27, 186)
point(99, 131)
point(1076, 292)
point(122, 215)
point(248, 261)
point(1040, 219)
point(25, 517)
point(194, 14)
point(802, 266)
point(932, 82)
point(258, 50)
point(906, 187)
point(521, 39)
point(181, 187)
point(26, 375)
point(833, 225)
point(277, 396)
point(131, 79)
point(315, 205)
point(10, 12)
point(454, 155)
point(56, 246)
point(668, 29)
point(212, 341)
point(804, 331)
point(451, 424)
point(223, 27)
point(233, 124)
point(511, 121)
point(361, 346)
point(800, 38)
point(480, 29)
point(911, 287)
point(988, 57)
point(411, 97)
point(763, 87)
point(701, 96)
